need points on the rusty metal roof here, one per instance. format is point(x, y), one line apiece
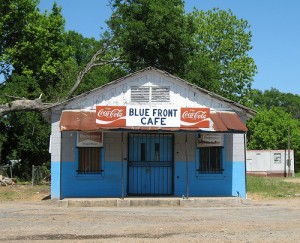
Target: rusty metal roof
point(80, 120)
point(229, 121)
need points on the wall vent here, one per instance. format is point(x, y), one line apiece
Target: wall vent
point(150, 94)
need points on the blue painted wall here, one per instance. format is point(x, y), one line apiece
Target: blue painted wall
point(55, 180)
point(230, 183)
point(106, 184)
point(109, 184)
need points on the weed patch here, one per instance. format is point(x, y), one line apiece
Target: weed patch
point(272, 187)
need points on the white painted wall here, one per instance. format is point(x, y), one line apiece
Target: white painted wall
point(118, 93)
point(269, 161)
point(55, 142)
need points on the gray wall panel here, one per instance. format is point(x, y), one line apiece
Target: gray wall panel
point(68, 146)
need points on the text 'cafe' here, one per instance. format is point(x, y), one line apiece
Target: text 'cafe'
point(148, 134)
point(124, 116)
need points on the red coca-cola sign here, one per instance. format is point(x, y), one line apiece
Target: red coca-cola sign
point(195, 117)
point(111, 116)
point(115, 116)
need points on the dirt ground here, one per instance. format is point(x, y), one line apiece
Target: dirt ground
point(35, 220)
point(294, 180)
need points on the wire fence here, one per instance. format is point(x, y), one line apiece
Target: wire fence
point(37, 175)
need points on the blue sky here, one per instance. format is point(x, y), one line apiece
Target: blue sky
point(275, 26)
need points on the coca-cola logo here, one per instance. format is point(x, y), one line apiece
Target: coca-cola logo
point(194, 115)
point(115, 113)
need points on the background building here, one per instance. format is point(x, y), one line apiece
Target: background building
point(270, 162)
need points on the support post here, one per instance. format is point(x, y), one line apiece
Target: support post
point(186, 168)
point(32, 175)
point(10, 170)
point(60, 166)
point(122, 160)
point(245, 158)
point(289, 152)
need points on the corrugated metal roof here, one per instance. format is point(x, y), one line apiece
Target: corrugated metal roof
point(77, 120)
point(229, 121)
point(217, 125)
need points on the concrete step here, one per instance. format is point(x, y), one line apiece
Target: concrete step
point(153, 202)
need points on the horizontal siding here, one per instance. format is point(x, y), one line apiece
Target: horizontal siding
point(120, 94)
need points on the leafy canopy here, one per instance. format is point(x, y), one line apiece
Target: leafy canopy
point(208, 48)
point(223, 41)
point(268, 99)
point(37, 56)
point(152, 33)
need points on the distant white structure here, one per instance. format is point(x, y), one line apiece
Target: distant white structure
point(270, 162)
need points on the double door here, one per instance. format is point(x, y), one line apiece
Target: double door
point(150, 164)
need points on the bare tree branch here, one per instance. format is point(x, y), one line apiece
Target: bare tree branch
point(22, 105)
point(13, 97)
point(95, 61)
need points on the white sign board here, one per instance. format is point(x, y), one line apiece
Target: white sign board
point(210, 140)
point(89, 139)
point(152, 116)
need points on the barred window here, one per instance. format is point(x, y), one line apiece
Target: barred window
point(152, 94)
point(89, 160)
point(210, 160)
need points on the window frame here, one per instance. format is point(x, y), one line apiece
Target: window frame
point(219, 158)
point(96, 171)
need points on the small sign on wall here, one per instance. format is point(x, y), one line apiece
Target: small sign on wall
point(277, 158)
point(210, 140)
point(89, 139)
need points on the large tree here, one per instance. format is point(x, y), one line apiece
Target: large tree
point(15, 15)
point(152, 33)
point(209, 48)
point(32, 50)
point(223, 41)
point(40, 61)
point(34, 47)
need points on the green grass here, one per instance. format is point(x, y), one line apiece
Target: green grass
point(272, 187)
point(297, 175)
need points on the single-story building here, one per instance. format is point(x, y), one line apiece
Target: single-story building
point(270, 162)
point(148, 134)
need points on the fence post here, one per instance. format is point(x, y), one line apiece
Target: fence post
point(32, 177)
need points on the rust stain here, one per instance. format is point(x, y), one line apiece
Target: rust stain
point(78, 121)
point(232, 121)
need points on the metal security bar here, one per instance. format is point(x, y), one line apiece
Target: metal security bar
point(150, 164)
point(89, 160)
point(210, 160)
